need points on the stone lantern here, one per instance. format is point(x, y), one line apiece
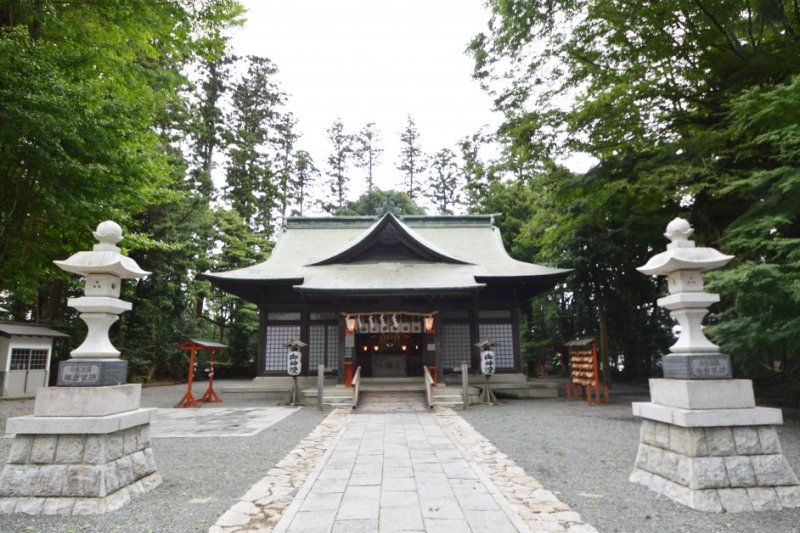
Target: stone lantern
point(86, 449)
point(703, 441)
point(96, 362)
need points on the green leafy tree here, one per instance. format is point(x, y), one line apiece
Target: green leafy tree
point(412, 161)
point(375, 200)
point(285, 161)
point(367, 151)
point(443, 185)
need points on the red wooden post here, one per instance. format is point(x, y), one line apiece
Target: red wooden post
point(188, 398)
point(348, 374)
point(211, 395)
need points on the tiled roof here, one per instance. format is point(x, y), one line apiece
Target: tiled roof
point(464, 252)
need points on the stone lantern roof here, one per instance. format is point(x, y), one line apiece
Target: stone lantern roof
point(105, 257)
point(682, 254)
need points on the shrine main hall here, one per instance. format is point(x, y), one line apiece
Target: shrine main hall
point(391, 294)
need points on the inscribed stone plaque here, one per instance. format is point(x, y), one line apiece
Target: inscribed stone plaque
point(697, 366)
point(91, 373)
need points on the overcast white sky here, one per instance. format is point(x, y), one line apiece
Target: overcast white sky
point(373, 61)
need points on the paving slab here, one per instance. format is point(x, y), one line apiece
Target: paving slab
point(216, 422)
point(403, 470)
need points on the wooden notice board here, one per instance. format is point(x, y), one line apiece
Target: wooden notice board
point(585, 371)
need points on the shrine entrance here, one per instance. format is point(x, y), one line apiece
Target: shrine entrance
point(389, 355)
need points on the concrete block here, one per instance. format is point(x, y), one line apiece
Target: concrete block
point(44, 448)
point(654, 460)
point(773, 470)
point(768, 437)
point(130, 441)
point(17, 480)
point(70, 449)
point(150, 482)
point(669, 465)
point(95, 452)
point(150, 460)
point(110, 477)
point(757, 416)
point(647, 433)
point(139, 465)
point(7, 505)
point(720, 441)
point(143, 437)
point(740, 471)
point(641, 456)
point(747, 442)
point(764, 499)
point(683, 471)
point(124, 471)
point(50, 481)
point(84, 481)
point(29, 506)
point(789, 496)
point(708, 473)
point(704, 394)
point(58, 506)
point(87, 401)
point(117, 500)
point(662, 436)
point(54, 425)
point(706, 500)
point(114, 446)
point(84, 506)
point(735, 500)
point(21, 449)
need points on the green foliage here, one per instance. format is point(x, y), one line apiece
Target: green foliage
point(691, 109)
point(443, 185)
point(368, 151)
point(412, 161)
point(338, 165)
point(369, 203)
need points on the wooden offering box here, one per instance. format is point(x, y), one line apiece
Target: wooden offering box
point(585, 374)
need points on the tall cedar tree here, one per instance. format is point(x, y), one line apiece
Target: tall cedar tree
point(412, 159)
point(443, 186)
point(338, 166)
point(252, 173)
point(368, 151)
point(305, 175)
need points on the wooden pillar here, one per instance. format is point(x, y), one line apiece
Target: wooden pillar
point(261, 359)
point(516, 334)
point(474, 337)
point(340, 351)
point(305, 337)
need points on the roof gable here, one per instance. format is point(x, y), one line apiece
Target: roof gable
point(389, 240)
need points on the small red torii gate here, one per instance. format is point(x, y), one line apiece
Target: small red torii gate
point(194, 346)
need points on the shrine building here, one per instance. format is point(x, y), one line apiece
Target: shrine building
point(391, 294)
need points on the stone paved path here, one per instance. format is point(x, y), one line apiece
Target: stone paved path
point(377, 470)
point(392, 402)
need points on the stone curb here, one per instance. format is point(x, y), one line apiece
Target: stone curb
point(539, 508)
point(262, 507)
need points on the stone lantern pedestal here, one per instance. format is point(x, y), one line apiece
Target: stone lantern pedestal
point(704, 443)
point(86, 448)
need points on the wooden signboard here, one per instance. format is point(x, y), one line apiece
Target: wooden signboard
point(585, 371)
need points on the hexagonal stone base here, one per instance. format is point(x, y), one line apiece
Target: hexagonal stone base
point(718, 469)
point(77, 473)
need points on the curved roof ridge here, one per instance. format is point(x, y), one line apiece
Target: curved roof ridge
point(412, 239)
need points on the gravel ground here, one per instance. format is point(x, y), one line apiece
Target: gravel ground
point(203, 477)
point(584, 454)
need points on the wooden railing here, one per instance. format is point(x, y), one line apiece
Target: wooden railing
point(428, 387)
point(356, 386)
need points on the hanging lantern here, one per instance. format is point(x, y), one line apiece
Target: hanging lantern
point(294, 359)
point(428, 323)
point(350, 323)
point(487, 357)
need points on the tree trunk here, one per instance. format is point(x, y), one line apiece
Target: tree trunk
point(602, 325)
